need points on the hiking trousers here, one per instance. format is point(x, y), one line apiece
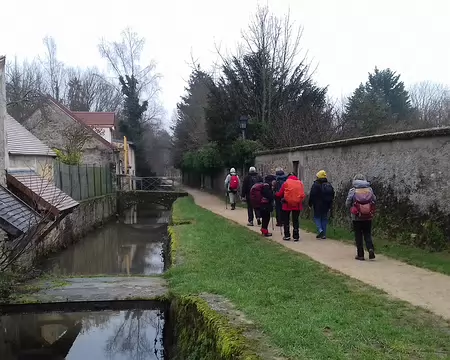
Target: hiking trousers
point(250, 211)
point(279, 211)
point(363, 233)
point(295, 222)
point(265, 219)
point(232, 196)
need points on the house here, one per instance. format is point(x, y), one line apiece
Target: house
point(26, 152)
point(59, 128)
point(29, 176)
point(131, 159)
point(31, 203)
point(103, 123)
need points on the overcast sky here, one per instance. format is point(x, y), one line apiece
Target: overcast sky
point(345, 38)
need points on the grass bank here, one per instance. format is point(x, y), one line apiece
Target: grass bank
point(436, 261)
point(305, 309)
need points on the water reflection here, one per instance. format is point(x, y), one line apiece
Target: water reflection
point(115, 335)
point(133, 247)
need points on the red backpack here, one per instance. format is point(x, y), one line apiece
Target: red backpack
point(234, 182)
point(363, 206)
point(256, 197)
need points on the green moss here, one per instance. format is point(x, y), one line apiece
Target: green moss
point(212, 338)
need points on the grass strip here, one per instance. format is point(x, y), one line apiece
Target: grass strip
point(305, 309)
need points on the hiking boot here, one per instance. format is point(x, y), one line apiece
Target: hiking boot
point(371, 254)
point(361, 258)
point(296, 239)
point(286, 238)
point(233, 206)
point(323, 237)
point(319, 235)
point(267, 234)
point(250, 223)
point(258, 221)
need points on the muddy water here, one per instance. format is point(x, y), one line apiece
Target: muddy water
point(133, 245)
point(112, 335)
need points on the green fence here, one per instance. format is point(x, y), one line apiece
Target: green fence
point(84, 181)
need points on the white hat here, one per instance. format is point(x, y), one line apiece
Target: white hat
point(252, 169)
point(232, 171)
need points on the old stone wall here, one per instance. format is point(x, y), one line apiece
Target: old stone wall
point(91, 214)
point(55, 128)
point(410, 172)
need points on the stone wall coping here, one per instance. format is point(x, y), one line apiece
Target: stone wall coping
point(403, 135)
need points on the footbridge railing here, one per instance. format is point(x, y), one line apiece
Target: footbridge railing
point(154, 184)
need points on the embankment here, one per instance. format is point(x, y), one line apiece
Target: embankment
point(91, 214)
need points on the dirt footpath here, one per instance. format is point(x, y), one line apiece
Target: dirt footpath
point(417, 286)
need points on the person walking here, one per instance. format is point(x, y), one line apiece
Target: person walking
point(321, 199)
point(261, 198)
point(361, 201)
point(280, 179)
point(251, 179)
point(232, 184)
point(292, 194)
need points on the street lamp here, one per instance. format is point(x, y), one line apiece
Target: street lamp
point(243, 121)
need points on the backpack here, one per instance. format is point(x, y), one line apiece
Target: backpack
point(294, 192)
point(363, 206)
point(327, 192)
point(256, 197)
point(234, 183)
point(279, 182)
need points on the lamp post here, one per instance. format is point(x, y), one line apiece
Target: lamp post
point(243, 121)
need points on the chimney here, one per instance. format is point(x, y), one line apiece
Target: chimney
point(3, 152)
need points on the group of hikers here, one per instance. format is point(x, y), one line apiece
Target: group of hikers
point(285, 194)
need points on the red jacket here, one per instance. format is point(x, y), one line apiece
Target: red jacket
point(280, 195)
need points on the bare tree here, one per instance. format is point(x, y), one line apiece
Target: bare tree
point(93, 91)
point(25, 86)
point(432, 102)
point(39, 219)
point(124, 58)
point(54, 69)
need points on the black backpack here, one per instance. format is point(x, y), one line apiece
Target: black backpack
point(327, 192)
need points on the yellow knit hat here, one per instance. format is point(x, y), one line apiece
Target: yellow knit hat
point(321, 174)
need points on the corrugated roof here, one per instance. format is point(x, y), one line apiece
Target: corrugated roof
point(41, 191)
point(100, 119)
point(16, 218)
point(21, 142)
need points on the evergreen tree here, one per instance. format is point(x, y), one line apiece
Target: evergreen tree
point(75, 96)
point(132, 124)
point(380, 105)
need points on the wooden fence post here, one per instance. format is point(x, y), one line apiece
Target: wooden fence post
point(95, 185)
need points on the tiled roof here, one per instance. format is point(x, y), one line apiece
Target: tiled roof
point(99, 119)
point(41, 191)
point(21, 142)
point(16, 218)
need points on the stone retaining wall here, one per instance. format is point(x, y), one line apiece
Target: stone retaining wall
point(410, 172)
point(91, 214)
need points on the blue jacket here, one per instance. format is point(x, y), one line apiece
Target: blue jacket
point(280, 178)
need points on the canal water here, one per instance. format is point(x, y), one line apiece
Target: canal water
point(106, 335)
point(132, 245)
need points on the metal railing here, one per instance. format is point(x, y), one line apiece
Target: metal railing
point(137, 183)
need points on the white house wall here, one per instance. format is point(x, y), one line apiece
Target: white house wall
point(42, 165)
